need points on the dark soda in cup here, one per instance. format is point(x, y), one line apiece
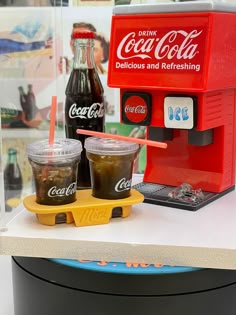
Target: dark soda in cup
point(55, 170)
point(111, 167)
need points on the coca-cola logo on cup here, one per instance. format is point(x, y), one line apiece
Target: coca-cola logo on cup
point(96, 110)
point(123, 184)
point(135, 109)
point(61, 192)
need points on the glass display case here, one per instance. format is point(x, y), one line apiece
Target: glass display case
point(2, 204)
point(35, 62)
point(36, 58)
point(28, 50)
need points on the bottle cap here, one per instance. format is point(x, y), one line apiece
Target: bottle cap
point(82, 34)
point(107, 146)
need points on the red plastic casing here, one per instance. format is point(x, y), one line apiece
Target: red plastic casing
point(149, 53)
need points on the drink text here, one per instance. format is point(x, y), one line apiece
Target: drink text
point(178, 113)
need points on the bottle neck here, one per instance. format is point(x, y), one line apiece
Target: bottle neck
point(84, 55)
point(12, 157)
point(21, 91)
point(30, 89)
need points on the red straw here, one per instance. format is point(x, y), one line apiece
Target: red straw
point(123, 138)
point(52, 119)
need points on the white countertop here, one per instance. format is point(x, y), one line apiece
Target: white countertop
point(151, 234)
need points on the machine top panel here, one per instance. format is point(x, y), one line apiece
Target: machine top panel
point(176, 7)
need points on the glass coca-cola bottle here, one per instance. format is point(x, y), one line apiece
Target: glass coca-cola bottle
point(28, 102)
point(31, 102)
point(84, 105)
point(23, 102)
point(12, 181)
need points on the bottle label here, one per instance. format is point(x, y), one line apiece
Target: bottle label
point(60, 192)
point(123, 184)
point(96, 110)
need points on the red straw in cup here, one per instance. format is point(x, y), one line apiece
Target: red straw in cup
point(52, 120)
point(122, 138)
point(51, 128)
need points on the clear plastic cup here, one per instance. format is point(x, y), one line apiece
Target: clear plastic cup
point(111, 166)
point(55, 170)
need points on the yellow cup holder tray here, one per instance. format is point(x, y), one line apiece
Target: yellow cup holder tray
point(86, 210)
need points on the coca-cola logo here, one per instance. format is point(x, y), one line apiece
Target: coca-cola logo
point(135, 109)
point(179, 44)
point(123, 184)
point(61, 192)
point(96, 110)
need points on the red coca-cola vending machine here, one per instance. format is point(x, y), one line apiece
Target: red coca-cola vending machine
point(175, 66)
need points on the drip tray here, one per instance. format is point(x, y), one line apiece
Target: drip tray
point(159, 195)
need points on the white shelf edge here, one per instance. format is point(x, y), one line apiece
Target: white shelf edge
point(119, 252)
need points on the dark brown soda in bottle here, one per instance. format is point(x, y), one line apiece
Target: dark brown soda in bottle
point(28, 102)
point(31, 102)
point(84, 105)
point(23, 102)
point(13, 182)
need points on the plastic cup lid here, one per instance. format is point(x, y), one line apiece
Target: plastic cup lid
point(106, 146)
point(60, 150)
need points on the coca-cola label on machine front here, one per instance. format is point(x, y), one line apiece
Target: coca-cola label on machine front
point(136, 108)
point(165, 50)
point(170, 46)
